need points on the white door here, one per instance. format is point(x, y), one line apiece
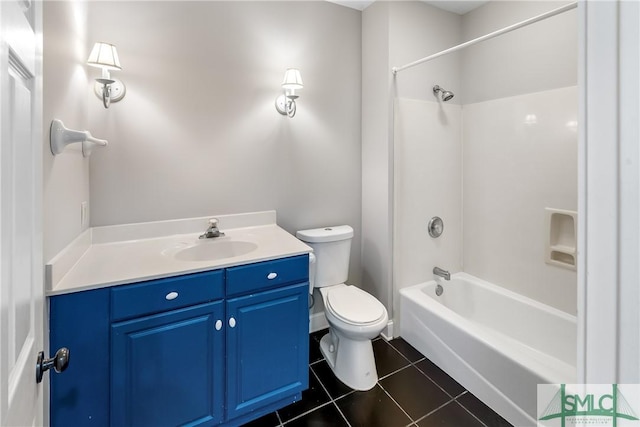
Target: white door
point(21, 276)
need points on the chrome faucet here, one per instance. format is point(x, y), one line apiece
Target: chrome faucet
point(212, 231)
point(442, 273)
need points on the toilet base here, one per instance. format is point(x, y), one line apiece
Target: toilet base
point(351, 361)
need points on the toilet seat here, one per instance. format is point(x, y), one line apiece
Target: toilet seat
point(354, 306)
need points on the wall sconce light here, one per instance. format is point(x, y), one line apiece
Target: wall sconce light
point(105, 56)
point(286, 103)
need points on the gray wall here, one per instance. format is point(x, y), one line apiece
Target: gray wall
point(394, 33)
point(65, 176)
point(197, 132)
point(376, 166)
point(419, 30)
point(538, 57)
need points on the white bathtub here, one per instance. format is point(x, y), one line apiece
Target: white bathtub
point(496, 343)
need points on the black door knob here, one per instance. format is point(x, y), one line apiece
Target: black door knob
point(58, 362)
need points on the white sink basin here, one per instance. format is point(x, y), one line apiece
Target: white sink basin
point(211, 250)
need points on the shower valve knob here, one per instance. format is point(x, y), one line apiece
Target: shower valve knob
point(435, 226)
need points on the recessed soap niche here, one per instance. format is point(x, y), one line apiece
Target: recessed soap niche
point(561, 238)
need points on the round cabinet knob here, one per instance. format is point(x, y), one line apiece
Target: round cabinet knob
point(218, 324)
point(171, 296)
point(59, 362)
point(272, 276)
point(232, 322)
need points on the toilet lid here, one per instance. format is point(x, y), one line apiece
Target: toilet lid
point(354, 305)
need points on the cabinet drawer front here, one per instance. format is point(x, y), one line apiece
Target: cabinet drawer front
point(166, 294)
point(268, 274)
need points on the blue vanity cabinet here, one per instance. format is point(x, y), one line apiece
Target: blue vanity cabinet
point(167, 368)
point(267, 334)
point(112, 330)
point(267, 348)
point(80, 395)
point(216, 348)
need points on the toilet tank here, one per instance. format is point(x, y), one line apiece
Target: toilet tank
point(332, 248)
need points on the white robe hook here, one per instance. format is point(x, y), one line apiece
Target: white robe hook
point(60, 137)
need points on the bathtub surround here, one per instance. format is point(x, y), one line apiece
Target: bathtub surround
point(428, 182)
point(518, 156)
point(490, 174)
point(513, 170)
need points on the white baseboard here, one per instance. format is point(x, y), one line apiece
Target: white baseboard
point(318, 322)
point(387, 333)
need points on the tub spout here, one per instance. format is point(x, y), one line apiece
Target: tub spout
point(442, 273)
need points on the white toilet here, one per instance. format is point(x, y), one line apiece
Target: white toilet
point(355, 317)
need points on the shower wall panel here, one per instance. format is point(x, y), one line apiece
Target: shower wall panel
point(428, 182)
point(520, 156)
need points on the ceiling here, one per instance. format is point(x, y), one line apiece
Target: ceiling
point(456, 6)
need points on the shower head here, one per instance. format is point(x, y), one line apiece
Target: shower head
point(445, 94)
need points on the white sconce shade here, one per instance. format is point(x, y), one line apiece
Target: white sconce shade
point(104, 55)
point(286, 103)
point(292, 79)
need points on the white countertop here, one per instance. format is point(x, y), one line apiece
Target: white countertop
point(95, 260)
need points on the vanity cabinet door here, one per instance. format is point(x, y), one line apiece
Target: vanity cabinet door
point(80, 395)
point(267, 347)
point(168, 369)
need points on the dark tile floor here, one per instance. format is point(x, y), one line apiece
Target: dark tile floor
point(411, 391)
